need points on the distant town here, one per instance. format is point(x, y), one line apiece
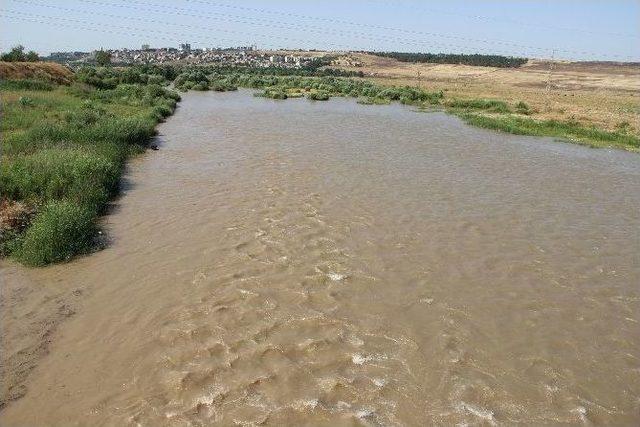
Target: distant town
point(243, 55)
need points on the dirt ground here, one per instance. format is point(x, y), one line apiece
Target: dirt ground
point(29, 317)
point(603, 94)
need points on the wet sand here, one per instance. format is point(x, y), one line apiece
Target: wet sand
point(329, 263)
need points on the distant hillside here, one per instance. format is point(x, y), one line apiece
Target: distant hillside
point(48, 71)
point(452, 58)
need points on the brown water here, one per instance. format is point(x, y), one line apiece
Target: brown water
point(330, 263)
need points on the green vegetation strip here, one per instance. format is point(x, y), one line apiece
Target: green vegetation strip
point(64, 150)
point(571, 131)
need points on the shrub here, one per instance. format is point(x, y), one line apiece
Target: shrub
point(61, 230)
point(222, 86)
point(273, 93)
point(155, 79)
point(200, 86)
point(318, 96)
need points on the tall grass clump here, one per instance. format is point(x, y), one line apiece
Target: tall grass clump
point(488, 105)
point(83, 176)
point(523, 108)
point(61, 230)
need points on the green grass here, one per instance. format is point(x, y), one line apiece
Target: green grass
point(373, 101)
point(489, 105)
point(60, 231)
point(63, 153)
point(26, 84)
point(574, 132)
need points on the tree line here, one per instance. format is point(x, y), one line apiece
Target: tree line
point(456, 58)
point(17, 54)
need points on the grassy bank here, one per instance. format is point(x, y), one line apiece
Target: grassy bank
point(64, 150)
point(565, 130)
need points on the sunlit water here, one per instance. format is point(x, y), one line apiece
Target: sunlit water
point(297, 262)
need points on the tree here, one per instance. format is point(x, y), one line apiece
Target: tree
point(103, 58)
point(16, 54)
point(32, 56)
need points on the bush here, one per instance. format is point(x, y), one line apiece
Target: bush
point(318, 96)
point(273, 94)
point(155, 79)
point(61, 230)
point(200, 86)
point(222, 86)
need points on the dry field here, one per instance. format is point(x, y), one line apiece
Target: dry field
point(48, 71)
point(603, 94)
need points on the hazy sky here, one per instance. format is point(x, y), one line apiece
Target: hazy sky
point(576, 29)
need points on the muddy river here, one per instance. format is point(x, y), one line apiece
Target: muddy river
point(327, 263)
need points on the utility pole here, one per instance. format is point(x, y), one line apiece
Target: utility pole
point(548, 89)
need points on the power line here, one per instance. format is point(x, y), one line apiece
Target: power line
point(403, 41)
point(340, 21)
point(150, 21)
point(320, 30)
point(387, 28)
point(410, 42)
point(185, 35)
point(97, 27)
point(515, 21)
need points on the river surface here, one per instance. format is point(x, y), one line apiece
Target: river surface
point(327, 263)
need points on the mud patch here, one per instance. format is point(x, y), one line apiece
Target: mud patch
point(29, 318)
